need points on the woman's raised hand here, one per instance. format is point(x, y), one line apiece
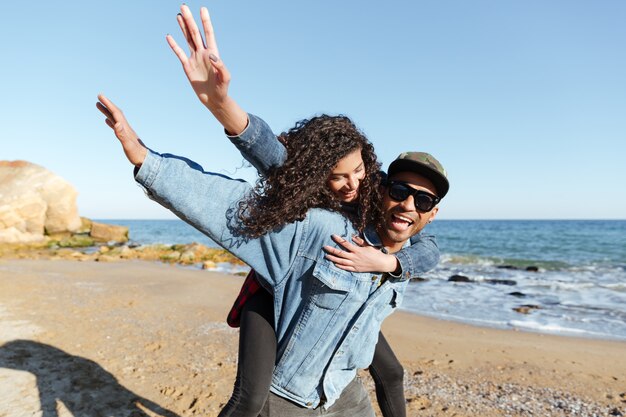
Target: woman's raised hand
point(134, 149)
point(207, 74)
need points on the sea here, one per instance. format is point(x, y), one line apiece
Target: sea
point(564, 277)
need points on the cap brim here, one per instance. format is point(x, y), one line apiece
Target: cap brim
point(439, 181)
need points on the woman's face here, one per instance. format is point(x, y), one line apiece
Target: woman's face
point(345, 178)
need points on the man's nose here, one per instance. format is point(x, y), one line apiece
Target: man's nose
point(408, 204)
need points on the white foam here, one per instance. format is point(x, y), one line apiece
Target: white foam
point(555, 328)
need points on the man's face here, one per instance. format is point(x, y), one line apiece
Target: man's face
point(402, 219)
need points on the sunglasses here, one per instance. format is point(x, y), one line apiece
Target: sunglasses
point(400, 191)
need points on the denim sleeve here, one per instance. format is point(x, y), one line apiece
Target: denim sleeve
point(259, 145)
point(420, 257)
point(208, 202)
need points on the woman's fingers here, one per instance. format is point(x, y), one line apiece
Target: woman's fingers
point(344, 243)
point(104, 111)
point(339, 261)
point(221, 72)
point(183, 28)
point(178, 51)
point(359, 241)
point(209, 34)
point(192, 28)
point(113, 111)
point(337, 252)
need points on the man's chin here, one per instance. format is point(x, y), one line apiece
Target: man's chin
point(398, 236)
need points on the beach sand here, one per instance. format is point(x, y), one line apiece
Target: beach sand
point(136, 338)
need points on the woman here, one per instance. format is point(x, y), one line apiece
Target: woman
point(310, 149)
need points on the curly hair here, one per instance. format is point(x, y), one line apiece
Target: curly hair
point(286, 193)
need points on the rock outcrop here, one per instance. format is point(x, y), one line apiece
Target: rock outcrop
point(34, 202)
point(107, 232)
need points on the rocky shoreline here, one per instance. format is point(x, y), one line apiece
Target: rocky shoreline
point(80, 248)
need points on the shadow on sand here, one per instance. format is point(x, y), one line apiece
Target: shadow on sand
point(82, 385)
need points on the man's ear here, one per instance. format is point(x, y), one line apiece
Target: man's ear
point(433, 214)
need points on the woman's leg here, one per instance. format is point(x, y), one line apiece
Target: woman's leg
point(388, 376)
point(257, 355)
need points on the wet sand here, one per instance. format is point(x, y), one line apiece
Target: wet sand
point(136, 338)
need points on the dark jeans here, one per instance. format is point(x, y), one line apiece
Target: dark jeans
point(353, 402)
point(388, 376)
point(257, 355)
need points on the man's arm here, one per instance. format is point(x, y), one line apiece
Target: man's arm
point(422, 256)
point(206, 200)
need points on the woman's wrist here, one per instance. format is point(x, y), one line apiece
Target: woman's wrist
point(391, 264)
point(232, 117)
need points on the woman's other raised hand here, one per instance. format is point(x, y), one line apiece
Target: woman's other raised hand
point(134, 148)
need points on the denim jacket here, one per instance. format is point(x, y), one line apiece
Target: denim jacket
point(259, 146)
point(326, 319)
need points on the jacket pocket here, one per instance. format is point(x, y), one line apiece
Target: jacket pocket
point(331, 285)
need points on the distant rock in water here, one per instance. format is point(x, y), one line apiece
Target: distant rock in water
point(531, 268)
point(459, 278)
point(506, 267)
point(517, 294)
point(34, 202)
point(501, 281)
point(526, 308)
point(108, 232)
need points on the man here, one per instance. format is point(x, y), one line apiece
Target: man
point(327, 320)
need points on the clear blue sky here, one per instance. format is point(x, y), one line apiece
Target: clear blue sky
point(523, 101)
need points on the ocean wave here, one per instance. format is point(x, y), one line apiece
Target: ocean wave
point(563, 285)
point(559, 329)
point(512, 263)
point(619, 286)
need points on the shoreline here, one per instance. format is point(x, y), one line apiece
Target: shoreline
point(570, 335)
point(196, 256)
point(508, 296)
point(156, 334)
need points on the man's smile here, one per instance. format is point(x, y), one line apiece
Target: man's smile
point(400, 222)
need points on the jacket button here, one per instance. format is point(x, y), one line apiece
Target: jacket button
point(309, 404)
point(375, 277)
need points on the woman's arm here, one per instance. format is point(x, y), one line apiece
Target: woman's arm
point(210, 79)
point(410, 262)
point(259, 146)
point(206, 200)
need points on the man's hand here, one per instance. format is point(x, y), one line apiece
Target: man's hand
point(360, 257)
point(134, 149)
